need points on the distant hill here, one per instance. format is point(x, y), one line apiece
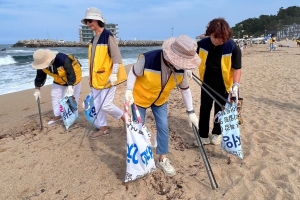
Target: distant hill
point(268, 24)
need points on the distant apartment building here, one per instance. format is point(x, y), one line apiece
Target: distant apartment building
point(86, 34)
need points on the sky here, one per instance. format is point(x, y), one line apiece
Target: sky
point(140, 19)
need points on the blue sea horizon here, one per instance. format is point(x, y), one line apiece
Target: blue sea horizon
point(17, 73)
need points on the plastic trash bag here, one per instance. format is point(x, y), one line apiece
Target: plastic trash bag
point(68, 110)
point(228, 119)
point(89, 109)
point(140, 159)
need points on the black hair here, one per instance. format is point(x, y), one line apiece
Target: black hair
point(101, 24)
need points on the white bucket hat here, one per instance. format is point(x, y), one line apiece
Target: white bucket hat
point(93, 13)
point(181, 52)
point(42, 58)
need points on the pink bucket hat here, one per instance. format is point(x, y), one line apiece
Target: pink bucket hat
point(181, 52)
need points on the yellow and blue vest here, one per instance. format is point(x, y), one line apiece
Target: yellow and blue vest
point(102, 67)
point(148, 88)
point(59, 73)
point(227, 71)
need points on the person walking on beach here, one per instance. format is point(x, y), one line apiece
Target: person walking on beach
point(67, 74)
point(150, 82)
point(221, 70)
point(106, 70)
point(298, 41)
point(272, 41)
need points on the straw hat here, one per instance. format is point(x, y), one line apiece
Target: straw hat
point(42, 58)
point(93, 13)
point(181, 52)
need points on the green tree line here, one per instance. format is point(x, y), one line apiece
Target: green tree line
point(267, 24)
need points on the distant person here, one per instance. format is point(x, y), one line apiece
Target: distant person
point(221, 70)
point(245, 43)
point(251, 42)
point(67, 74)
point(106, 70)
point(272, 41)
point(241, 44)
point(298, 42)
point(150, 81)
point(286, 39)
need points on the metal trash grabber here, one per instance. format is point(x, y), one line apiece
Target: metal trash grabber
point(205, 159)
point(91, 126)
point(40, 113)
point(198, 80)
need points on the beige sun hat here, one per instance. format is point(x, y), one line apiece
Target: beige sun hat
point(181, 52)
point(93, 13)
point(42, 58)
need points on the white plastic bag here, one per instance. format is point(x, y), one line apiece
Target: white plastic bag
point(67, 112)
point(140, 160)
point(89, 109)
point(228, 119)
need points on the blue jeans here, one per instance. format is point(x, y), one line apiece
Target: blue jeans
point(271, 47)
point(161, 119)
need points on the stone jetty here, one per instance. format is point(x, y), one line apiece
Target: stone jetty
point(61, 43)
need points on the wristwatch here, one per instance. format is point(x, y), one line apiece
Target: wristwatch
point(190, 112)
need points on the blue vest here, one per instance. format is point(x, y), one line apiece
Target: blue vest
point(103, 39)
point(153, 61)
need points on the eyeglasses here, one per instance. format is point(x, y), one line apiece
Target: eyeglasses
point(88, 21)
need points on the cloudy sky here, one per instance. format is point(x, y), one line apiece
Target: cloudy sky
point(140, 19)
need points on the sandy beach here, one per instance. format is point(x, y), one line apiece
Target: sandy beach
point(57, 164)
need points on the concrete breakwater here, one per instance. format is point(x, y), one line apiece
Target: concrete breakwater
point(55, 43)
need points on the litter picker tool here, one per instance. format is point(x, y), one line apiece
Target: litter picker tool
point(40, 113)
point(209, 171)
point(91, 126)
point(198, 80)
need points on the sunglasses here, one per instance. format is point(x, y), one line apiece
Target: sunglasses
point(88, 21)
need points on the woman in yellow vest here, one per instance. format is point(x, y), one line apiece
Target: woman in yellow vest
point(298, 41)
point(221, 70)
point(150, 82)
point(272, 41)
point(67, 74)
point(106, 70)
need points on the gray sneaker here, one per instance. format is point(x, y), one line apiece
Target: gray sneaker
point(166, 167)
point(216, 139)
point(204, 141)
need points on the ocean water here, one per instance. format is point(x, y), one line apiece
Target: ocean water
point(17, 73)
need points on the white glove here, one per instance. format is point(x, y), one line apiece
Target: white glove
point(37, 94)
point(113, 78)
point(70, 90)
point(188, 73)
point(193, 119)
point(235, 89)
point(129, 97)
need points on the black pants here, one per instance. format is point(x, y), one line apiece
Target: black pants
point(206, 105)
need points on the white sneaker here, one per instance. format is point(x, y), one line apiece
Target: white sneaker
point(216, 139)
point(204, 141)
point(166, 167)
